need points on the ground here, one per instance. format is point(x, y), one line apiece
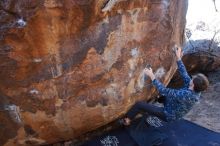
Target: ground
point(207, 112)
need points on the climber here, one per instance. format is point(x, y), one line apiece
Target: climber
point(177, 101)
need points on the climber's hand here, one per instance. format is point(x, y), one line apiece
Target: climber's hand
point(179, 53)
point(149, 72)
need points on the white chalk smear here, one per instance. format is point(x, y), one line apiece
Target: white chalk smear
point(21, 22)
point(130, 74)
point(141, 80)
point(14, 112)
point(34, 91)
point(134, 52)
point(160, 72)
point(110, 4)
point(37, 60)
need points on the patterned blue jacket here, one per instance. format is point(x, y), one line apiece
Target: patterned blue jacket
point(177, 101)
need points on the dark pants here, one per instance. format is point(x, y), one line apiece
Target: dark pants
point(146, 107)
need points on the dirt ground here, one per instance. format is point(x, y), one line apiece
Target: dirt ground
point(207, 112)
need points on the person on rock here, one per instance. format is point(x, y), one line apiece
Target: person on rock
point(178, 102)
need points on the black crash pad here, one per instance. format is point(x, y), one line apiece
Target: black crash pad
point(178, 133)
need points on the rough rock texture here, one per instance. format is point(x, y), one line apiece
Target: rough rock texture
point(71, 66)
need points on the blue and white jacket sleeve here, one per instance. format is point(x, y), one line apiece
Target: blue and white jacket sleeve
point(183, 73)
point(171, 93)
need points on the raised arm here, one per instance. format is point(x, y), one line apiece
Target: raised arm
point(183, 73)
point(168, 92)
point(181, 68)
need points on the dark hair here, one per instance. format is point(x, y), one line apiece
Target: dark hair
point(200, 82)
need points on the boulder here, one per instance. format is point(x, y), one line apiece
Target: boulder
point(71, 66)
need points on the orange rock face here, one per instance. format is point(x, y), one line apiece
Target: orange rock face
point(71, 66)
